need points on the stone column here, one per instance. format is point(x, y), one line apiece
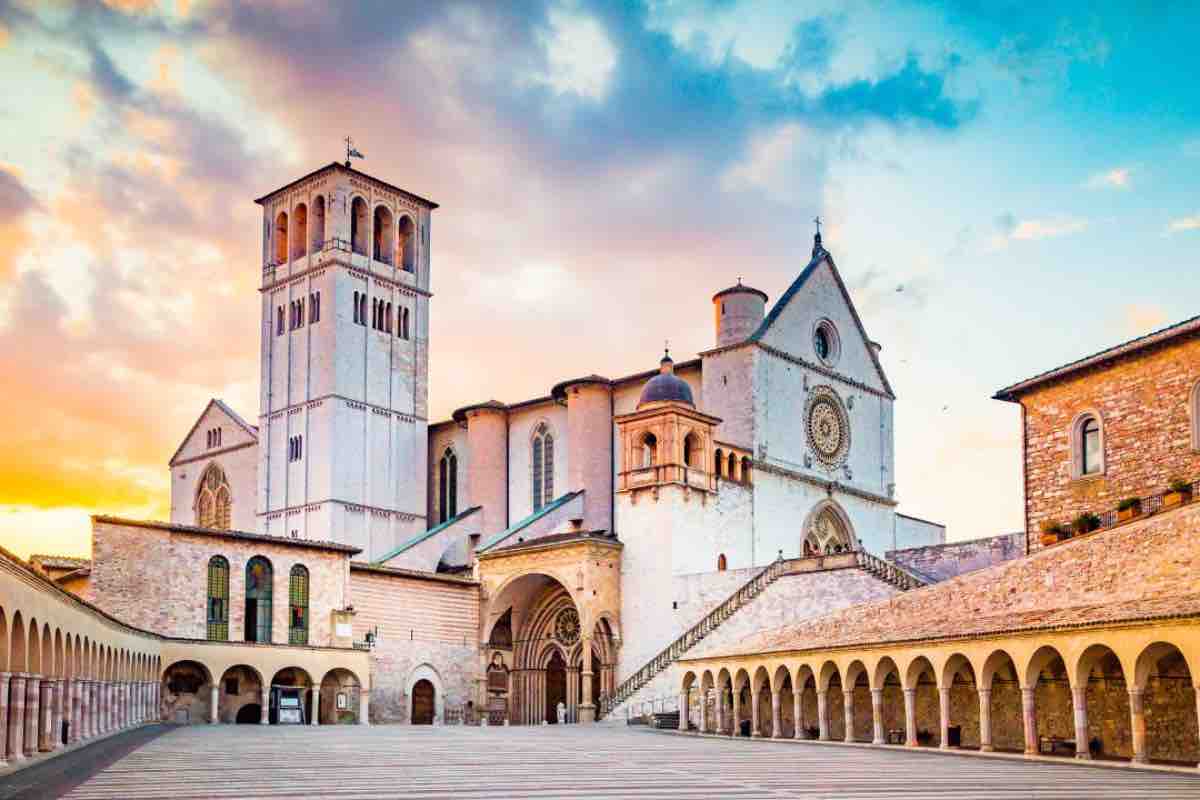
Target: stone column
point(735, 710)
point(1079, 698)
point(944, 714)
point(1137, 715)
point(45, 739)
point(587, 709)
point(71, 711)
point(16, 718)
point(704, 712)
point(56, 720)
point(797, 713)
point(683, 710)
point(848, 708)
point(1029, 720)
point(823, 714)
point(877, 717)
point(720, 711)
point(314, 708)
point(5, 677)
point(100, 689)
point(214, 704)
point(985, 720)
point(754, 715)
point(79, 712)
point(910, 717)
point(364, 707)
point(776, 722)
point(33, 705)
point(88, 709)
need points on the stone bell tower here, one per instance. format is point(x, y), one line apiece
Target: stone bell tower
point(345, 325)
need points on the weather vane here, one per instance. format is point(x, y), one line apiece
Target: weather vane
point(351, 152)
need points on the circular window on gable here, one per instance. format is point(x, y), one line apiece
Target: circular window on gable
point(826, 343)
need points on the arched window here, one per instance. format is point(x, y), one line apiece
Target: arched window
point(318, 224)
point(218, 599)
point(259, 576)
point(300, 240)
point(447, 486)
point(214, 500)
point(362, 309)
point(745, 469)
point(731, 467)
point(542, 448)
point(649, 450)
point(1087, 446)
point(281, 238)
point(403, 323)
point(719, 463)
point(827, 534)
point(1194, 414)
point(387, 318)
point(356, 317)
point(298, 605)
point(721, 563)
point(383, 235)
point(406, 247)
point(691, 450)
point(359, 226)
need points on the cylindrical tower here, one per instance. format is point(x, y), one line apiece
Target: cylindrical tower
point(487, 473)
point(738, 311)
point(590, 446)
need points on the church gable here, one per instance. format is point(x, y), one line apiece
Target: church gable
point(816, 314)
point(219, 428)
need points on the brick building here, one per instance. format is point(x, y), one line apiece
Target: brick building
point(1122, 423)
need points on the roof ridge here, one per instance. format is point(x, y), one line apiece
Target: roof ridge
point(529, 520)
point(420, 537)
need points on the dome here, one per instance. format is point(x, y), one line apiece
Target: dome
point(666, 386)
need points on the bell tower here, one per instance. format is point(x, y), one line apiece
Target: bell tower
point(344, 360)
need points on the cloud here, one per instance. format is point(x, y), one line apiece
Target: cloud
point(1118, 178)
point(1183, 224)
point(1138, 319)
point(580, 57)
point(1010, 229)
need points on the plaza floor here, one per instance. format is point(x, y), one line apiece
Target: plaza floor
point(572, 762)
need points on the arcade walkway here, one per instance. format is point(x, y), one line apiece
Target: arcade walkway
point(576, 762)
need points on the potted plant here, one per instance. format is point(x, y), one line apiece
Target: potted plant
point(1180, 492)
point(1052, 532)
point(1129, 508)
point(1085, 523)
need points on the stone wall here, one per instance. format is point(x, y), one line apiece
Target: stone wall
point(942, 561)
point(424, 625)
point(155, 576)
point(1142, 402)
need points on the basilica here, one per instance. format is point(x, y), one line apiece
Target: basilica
point(616, 544)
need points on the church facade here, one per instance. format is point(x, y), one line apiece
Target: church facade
point(521, 554)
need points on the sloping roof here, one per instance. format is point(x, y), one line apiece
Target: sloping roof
point(311, 544)
point(236, 417)
point(532, 518)
point(1185, 328)
point(335, 165)
point(420, 537)
point(566, 537)
point(401, 572)
point(821, 254)
point(59, 562)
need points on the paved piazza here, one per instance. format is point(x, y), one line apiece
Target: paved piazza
point(573, 762)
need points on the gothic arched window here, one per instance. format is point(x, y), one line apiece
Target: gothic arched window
point(259, 576)
point(447, 486)
point(827, 535)
point(214, 500)
point(218, 598)
point(298, 605)
point(542, 448)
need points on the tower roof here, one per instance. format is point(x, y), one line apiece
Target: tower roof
point(740, 288)
point(666, 386)
point(336, 166)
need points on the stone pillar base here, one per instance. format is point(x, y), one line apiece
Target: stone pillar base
point(986, 748)
point(1087, 756)
point(587, 713)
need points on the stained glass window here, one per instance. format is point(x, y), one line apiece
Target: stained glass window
point(218, 599)
point(259, 576)
point(298, 605)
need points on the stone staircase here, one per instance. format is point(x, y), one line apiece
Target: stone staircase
point(881, 569)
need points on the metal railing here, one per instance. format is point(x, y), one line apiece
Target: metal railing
point(693, 635)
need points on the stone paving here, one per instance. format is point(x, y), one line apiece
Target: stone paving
point(602, 761)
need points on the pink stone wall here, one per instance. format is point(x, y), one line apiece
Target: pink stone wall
point(590, 463)
point(487, 439)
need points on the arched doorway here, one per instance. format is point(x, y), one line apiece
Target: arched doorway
point(186, 693)
point(340, 698)
point(424, 701)
point(289, 687)
point(249, 714)
point(240, 695)
point(556, 686)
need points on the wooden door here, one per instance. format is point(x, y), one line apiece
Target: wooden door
point(423, 703)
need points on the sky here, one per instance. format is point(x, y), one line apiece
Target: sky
point(1005, 187)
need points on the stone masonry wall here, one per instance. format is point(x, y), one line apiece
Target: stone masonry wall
point(1142, 402)
point(156, 578)
point(429, 625)
point(942, 561)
